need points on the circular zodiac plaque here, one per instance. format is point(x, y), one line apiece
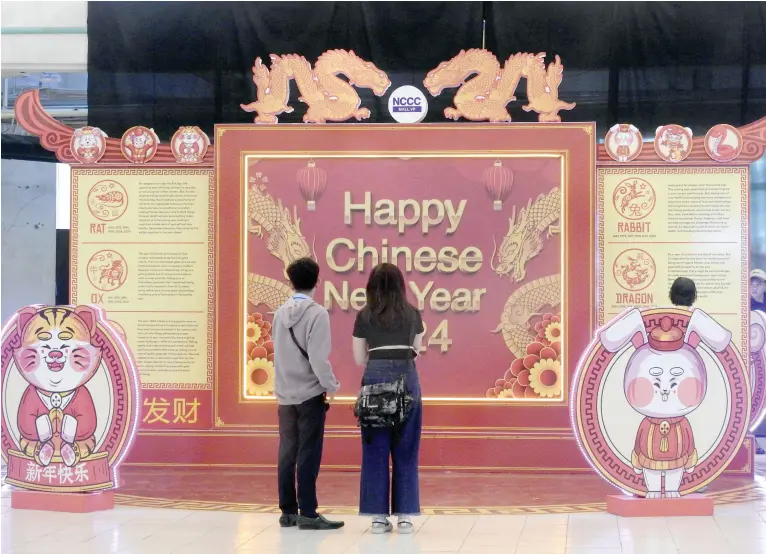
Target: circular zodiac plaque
point(661, 401)
point(139, 144)
point(189, 145)
point(88, 144)
point(673, 143)
point(623, 142)
point(723, 143)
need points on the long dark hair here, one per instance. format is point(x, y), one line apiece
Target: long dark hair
point(386, 296)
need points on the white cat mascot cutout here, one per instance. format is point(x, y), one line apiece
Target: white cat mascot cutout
point(665, 380)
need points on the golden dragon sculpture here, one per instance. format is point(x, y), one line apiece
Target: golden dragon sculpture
point(329, 98)
point(484, 98)
point(525, 303)
point(524, 239)
point(285, 241)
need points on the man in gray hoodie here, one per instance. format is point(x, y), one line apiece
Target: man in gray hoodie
point(303, 379)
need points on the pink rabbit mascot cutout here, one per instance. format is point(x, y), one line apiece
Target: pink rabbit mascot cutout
point(665, 380)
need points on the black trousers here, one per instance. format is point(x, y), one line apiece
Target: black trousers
point(301, 437)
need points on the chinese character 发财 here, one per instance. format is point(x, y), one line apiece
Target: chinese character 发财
point(157, 410)
point(185, 412)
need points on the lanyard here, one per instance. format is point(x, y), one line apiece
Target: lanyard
point(299, 296)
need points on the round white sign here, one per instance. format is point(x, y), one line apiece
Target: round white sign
point(408, 105)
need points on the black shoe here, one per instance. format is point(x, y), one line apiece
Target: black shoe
point(318, 523)
point(760, 450)
point(288, 520)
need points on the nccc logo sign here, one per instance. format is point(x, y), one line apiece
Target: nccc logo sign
point(407, 105)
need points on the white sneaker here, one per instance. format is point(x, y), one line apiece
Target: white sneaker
point(404, 526)
point(380, 527)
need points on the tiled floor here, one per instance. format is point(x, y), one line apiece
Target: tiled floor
point(240, 488)
point(739, 528)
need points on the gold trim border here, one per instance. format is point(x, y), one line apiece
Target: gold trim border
point(745, 493)
point(562, 155)
point(587, 128)
point(353, 467)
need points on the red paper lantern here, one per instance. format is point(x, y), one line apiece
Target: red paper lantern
point(498, 180)
point(312, 181)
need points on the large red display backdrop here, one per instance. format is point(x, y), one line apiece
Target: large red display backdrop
point(481, 412)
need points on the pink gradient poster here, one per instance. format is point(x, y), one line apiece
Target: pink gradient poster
point(487, 281)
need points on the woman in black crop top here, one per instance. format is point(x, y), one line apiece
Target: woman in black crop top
point(388, 333)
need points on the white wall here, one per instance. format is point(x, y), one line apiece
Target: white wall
point(44, 36)
point(28, 236)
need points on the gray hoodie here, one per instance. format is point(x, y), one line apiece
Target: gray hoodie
point(295, 379)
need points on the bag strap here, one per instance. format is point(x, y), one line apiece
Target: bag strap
point(295, 340)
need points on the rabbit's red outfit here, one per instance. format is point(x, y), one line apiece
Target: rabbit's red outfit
point(664, 444)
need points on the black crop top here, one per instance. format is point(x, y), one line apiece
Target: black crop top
point(397, 335)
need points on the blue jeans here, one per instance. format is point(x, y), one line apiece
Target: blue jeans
point(380, 444)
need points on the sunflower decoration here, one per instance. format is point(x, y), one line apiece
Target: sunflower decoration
point(545, 378)
point(260, 373)
point(260, 356)
point(538, 374)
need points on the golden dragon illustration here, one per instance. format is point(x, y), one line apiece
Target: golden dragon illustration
point(524, 239)
point(329, 98)
point(285, 241)
point(525, 303)
point(484, 97)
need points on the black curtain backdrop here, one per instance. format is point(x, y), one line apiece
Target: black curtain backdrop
point(167, 64)
point(23, 147)
point(62, 266)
